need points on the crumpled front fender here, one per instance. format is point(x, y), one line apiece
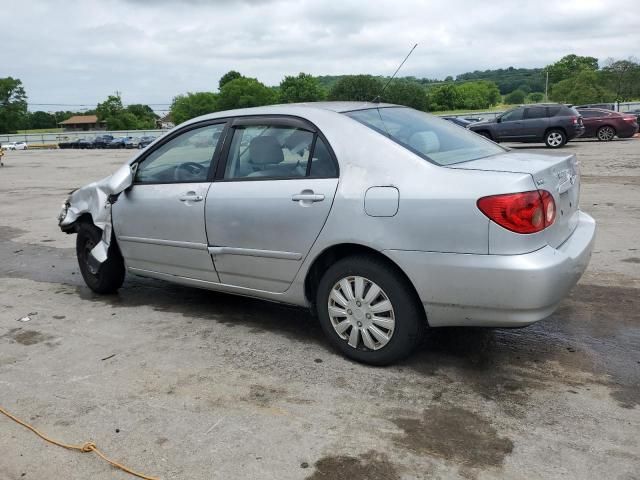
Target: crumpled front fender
point(95, 199)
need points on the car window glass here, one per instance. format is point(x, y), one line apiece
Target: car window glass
point(554, 110)
point(432, 138)
point(268, 151)
point(535, 112)
point(185, 158)
point(513, 115)
point(322, 164)
point(589, 113)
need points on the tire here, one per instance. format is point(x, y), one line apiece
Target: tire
point(606, 133)
point(403, 324)
point(110, 274)
point(555, 138)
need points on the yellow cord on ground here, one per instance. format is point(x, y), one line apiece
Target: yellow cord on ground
point(86, 447)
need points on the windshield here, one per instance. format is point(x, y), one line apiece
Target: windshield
point(433, 138)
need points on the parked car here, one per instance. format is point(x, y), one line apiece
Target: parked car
point(461, 122)
point(68, 143)
point(102, 141)
point(131, 142)
point(15, 146)
point(603, 106)
point(84, 143)
point(635, 112)
point(606, 124)
point(144, 141)
point(381, 218)
point(118, 142)
point(554, 124)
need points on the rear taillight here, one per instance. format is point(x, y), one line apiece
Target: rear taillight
point(630, 119)
point(524, 212)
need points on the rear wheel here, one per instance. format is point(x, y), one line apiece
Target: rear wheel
point(555, 138)
point(606, 133)
point(368, 311)
point(109, 275)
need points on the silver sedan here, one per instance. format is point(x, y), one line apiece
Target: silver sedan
point(382, 219)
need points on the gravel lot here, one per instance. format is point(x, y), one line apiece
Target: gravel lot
point(188, 384)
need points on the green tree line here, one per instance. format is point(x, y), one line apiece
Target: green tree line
point(572, 79)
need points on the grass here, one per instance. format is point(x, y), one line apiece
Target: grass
point(42, 130)
point(495, 108)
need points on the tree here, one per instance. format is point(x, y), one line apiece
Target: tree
point(111, 107)
point(583, 88)
point(145, 116)
point(134, 117)
point(13, 105)
point(191, 105)
point(245, 92)
point(535, 97)
point(227, 77)
point(356, 88)
point(41, 119)
point(570, 66)
point(303, 88)
point(478, 95)
point(443, 97)
point(622, 77)
point(406, 92)
point(515, 97)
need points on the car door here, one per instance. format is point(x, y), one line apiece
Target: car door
point(535, 122)
point(270, 200)
point(509, 127)
point(159, 221)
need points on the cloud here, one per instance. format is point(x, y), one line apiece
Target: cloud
point(81, 51)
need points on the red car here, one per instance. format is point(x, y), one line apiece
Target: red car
point(606, 124)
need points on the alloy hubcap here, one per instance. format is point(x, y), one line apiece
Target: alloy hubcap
point(361, 313)
point(555, 139)
point(606, 133)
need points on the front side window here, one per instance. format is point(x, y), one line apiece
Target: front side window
point(268, 151)
point(432, 138)
point(185, 158)
point(512, 116)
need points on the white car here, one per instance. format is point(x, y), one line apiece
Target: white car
point(15, 146)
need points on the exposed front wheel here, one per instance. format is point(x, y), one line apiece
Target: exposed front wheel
point(606, 133)
point(106, 277)
point(555, 138)
point(368, 311)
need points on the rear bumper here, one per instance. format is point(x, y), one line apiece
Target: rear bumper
point(497, 290)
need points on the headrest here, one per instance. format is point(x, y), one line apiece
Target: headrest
point(265, 151)
point(424, 142)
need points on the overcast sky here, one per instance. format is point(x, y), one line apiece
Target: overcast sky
point(78, 52)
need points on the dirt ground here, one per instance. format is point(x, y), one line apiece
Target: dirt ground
point(187, 384)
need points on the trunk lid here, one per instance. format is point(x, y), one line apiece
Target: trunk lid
point(557, 173)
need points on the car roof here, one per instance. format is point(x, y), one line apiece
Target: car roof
point(295, 109)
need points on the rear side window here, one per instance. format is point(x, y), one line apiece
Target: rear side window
point(535, 112)
point(432, 138)
point(590, 113)
point(554, 110)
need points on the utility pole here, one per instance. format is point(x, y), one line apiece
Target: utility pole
point(546, 88)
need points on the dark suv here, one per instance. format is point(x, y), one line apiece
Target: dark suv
point(554, 124)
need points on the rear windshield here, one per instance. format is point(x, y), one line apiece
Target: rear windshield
point(433, 138)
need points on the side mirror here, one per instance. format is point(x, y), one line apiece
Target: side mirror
point(498, 119)
point(121, 179)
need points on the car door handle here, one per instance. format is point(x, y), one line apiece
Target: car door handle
point(191, 197)
point(307, 197)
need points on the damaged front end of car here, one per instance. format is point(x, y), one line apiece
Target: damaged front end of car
point(93, 203)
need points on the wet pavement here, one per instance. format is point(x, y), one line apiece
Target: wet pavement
point(184, 383)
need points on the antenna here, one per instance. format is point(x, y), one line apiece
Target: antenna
point(377, 97)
